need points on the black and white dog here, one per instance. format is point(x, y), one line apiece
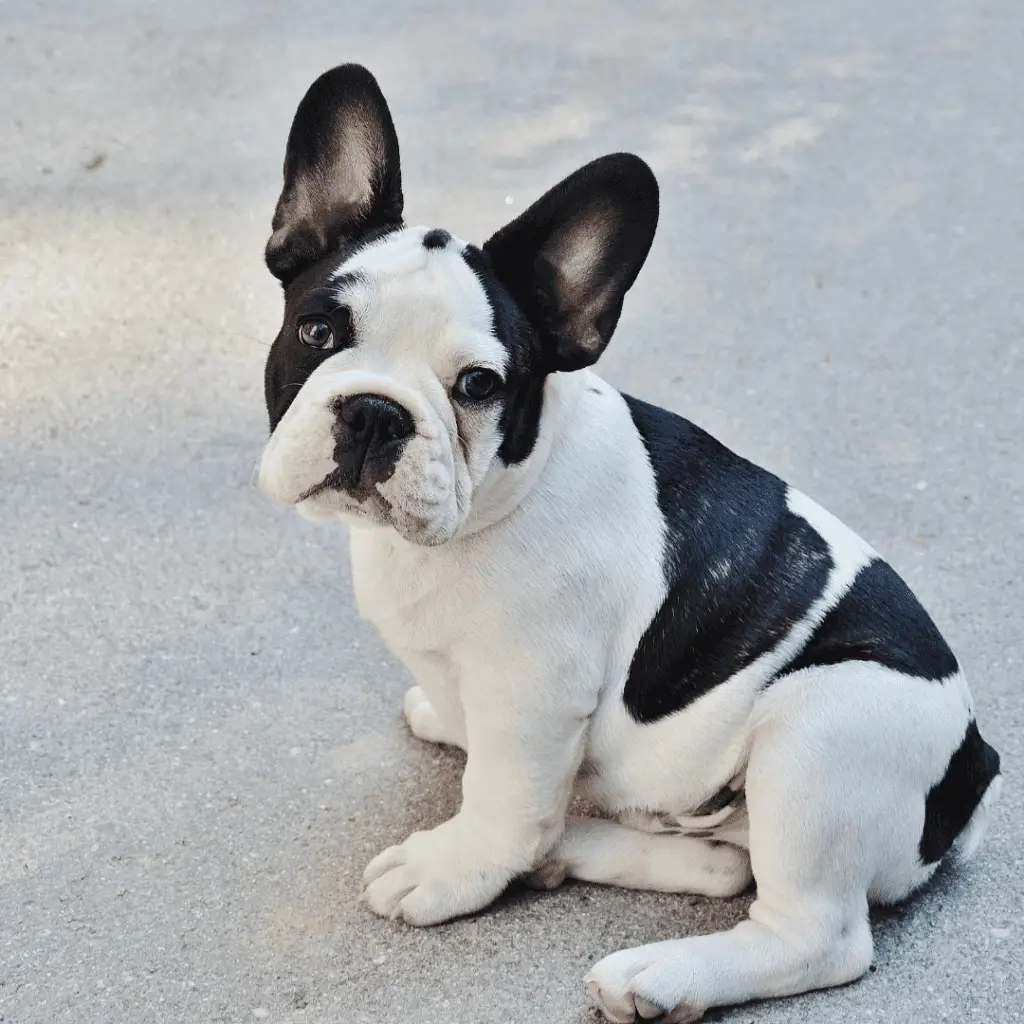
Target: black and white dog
point(594, 597)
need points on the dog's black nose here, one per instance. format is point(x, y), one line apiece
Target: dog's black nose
point(370, 432)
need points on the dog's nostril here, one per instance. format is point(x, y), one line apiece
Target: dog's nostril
point(396, 425)
point(394, 429)
point(374, 419)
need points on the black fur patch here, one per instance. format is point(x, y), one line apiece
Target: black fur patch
point(607, 213)
point(314, 291)
point(879, 619)
point(342, 118)
point(437, 238)
point(952, 800)
point(742, 569)
point(523, 394)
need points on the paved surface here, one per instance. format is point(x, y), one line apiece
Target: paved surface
point(200, 746)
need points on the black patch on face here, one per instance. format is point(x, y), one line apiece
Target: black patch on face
point(370, 433)
point(952, 800)
point(741, 568)
point(438, 238)
point(313, 292)
point(523, 394)
point(879, 619)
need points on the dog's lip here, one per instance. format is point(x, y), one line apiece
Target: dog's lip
point(331, 482)
point(313, 491)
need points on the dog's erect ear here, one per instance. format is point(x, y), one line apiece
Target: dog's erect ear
point(341, 171)
point(569, 259)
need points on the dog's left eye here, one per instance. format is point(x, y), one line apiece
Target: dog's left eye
point(477, 385)
point(316, 333)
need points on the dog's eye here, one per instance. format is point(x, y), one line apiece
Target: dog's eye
point(316, 333)
point(477, 385)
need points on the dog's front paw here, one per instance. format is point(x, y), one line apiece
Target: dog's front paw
point(432, 877)
point(424, 721)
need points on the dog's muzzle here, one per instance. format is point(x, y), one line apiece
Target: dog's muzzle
point(370, 432)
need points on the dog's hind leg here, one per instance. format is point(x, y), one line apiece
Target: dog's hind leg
point(609, 853)
point(835, 797)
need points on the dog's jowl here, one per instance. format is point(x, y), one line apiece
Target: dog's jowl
point(593, 596)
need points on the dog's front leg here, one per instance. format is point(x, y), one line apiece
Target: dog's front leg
point(521, 758)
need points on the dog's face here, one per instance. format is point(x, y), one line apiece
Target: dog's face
point(411, 366)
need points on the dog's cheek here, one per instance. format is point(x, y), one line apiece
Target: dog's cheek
point(422, 488)
point(482, 439)
point(428, 471)
point(299, 454)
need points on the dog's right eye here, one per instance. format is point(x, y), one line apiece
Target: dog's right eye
point(477, 384)
point(316, 333)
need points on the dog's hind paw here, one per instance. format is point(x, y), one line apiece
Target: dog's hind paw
point(628, 987)
point(549, 874)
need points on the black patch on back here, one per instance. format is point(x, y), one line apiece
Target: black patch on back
point(952, 800)
point(437, 238)
point(879, 619)
point(523, 395)
point(741, 568)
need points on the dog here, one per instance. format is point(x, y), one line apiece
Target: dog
point(594, 597)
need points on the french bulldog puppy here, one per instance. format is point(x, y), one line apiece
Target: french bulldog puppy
point(593, 596)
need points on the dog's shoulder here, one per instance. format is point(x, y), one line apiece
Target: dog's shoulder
point(741, 568)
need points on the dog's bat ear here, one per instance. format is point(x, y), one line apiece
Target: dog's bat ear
point(342, 175)
point(569, 259)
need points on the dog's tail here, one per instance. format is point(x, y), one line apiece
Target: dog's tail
point(967, 844)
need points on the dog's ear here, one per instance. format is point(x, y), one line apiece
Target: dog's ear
point(569, 259)
point(342, 176)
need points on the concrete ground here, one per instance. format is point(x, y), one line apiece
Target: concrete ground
point(200, 745)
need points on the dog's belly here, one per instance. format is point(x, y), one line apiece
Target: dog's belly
point(674, 765)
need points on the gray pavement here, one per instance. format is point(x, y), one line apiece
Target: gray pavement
point(200, 745)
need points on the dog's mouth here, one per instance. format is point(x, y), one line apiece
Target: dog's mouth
point(423, 513)
point(327, 484)
point(343, 482)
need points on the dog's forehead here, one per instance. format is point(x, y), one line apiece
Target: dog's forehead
point(417, 273)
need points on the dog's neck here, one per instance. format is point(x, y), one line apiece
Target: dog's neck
point(504, 487)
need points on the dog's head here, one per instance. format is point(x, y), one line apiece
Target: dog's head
point(411, 366)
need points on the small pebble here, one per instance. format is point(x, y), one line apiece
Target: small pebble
point(261, 1013)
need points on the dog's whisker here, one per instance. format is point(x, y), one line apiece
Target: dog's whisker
point(248, 337)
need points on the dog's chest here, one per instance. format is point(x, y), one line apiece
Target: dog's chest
point(406, 594)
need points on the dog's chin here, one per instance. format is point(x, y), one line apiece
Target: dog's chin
point(427, 524)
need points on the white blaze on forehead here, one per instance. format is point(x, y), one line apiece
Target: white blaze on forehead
point(409, 301)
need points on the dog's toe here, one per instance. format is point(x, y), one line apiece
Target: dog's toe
point(615, 1009)
point(549, 875)
point(647, 1009)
